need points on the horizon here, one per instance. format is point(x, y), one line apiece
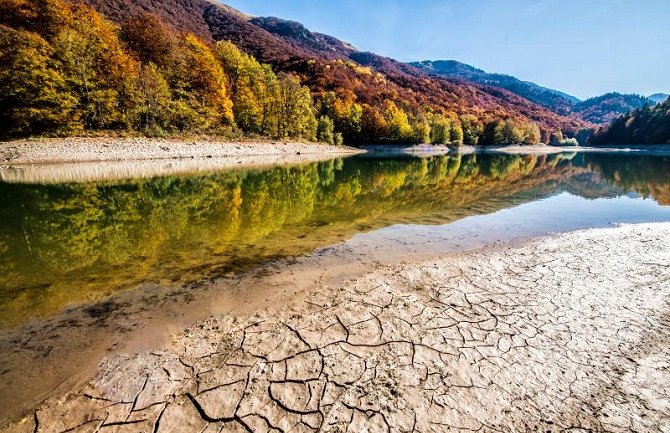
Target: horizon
point(476, 37)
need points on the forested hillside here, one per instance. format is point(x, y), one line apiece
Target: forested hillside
point(554, 100)
point(648, 125)
point(67, 70)
point(175, 67)
point(604, 109)
point(599, 110)
point(367, 80)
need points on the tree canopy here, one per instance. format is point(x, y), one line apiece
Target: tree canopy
point(66, 70)
point(648, 125)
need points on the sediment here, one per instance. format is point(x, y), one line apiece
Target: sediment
point(567, 333)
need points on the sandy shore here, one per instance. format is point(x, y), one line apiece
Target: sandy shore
point(46, 151)
point(570, 333)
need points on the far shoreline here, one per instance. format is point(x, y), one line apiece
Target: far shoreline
point(47, 151)
point(538, 149)
point(87, 159)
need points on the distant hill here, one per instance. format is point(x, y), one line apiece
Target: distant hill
point(648, 125)
point(600, 110)
point(659, 97)
point(606, 108)
point(554, 100)
point(317, 43)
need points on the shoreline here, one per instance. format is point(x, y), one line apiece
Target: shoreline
point(428, 150)
point(475, 340)
point(119, 170)
point(104, 158)
point(647, 149)
point(48, 151)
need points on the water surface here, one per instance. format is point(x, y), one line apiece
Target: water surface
point(80, 242)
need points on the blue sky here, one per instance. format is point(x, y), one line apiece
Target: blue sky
point(583, 47)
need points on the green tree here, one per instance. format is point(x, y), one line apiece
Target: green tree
point(295, 117)
point(153, 108)
point(440, 129)
point(457, 134)
point(325, 130)
point(531, 134)
point(555, 138)
point(346, 113)
point(510, 132)
point(472, 129)
point(420, 129)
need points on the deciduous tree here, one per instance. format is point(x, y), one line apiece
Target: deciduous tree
point(34, 97)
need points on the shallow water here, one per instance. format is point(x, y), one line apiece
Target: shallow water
point(80, 242)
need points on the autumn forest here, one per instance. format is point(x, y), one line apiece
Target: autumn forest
point(194, 67)
point(66, 70)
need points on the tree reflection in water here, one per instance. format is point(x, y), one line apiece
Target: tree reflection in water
point(76, 242)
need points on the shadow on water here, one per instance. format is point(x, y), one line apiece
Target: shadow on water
point(80, 242)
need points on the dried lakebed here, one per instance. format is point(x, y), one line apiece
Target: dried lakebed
point(570, 333)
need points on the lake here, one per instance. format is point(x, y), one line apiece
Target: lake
point(93, 268)
point(81, 242)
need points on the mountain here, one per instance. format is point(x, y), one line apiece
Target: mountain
point(600, 110)
point(326, 64)
point(657, 98)
point(648, 125)
point(355, 95)
point(554, 100)
point(317, 43)
point(606, 108)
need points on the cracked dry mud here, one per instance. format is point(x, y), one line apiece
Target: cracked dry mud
point(562, 334)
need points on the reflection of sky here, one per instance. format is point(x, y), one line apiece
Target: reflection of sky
point(559, 213)
point(585, 48)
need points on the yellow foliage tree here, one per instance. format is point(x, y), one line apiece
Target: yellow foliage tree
point(295, 116)
point(33, 95)
point(253, 87)
point(95, 67)
point(205, 84)
point(398, 128)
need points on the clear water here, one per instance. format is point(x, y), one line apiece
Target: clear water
point(79, 242)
